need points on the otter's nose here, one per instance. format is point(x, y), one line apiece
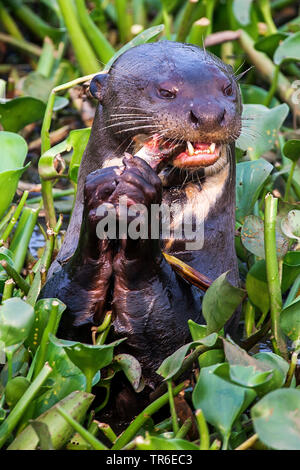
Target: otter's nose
point(207, 118)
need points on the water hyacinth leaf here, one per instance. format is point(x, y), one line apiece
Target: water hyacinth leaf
point(141, 38)
point(257, 286)
point(18, 112)
point(290, 225)
point(250, 179)
point(261, 134)
point(269, 44)
point(289, 49)
point(159, 443)
point(290, 320)
point(19, 365)
point(77, 140)
point(131, 368)
point(279, 368)
point(16, 320)
point(13, 153)
point(238, 356)
point(252, 94)
point(76, 404)
point(15, 389)
point(276, 419)
point(241, 11)
point(171, 365)
point(88, 358)
point(197, 331)
point(248, 376)
point(64, 379)
point(37, 86)
point(209, 358)
point(41, 315)
point(231, 400)
point(252, 237)
point(291, 150)
point(43, 433)
point(220, 302)
point(291, 269)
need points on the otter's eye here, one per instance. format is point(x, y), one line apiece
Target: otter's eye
point(228, 91)
point(167, 93)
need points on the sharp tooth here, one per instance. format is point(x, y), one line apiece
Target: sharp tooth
point(212, 148)
point(191, 149)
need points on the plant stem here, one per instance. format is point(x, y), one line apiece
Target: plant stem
point(198, 31)
point(9, 23)
point(83, 51)
point(15, 415)
point(56, 195)
point(107, 431)
point(265, 68)
point(184, 429)
point(46, 61)
point(8, 289)
point(273, 88)
point(19, 280)
point(273, 273)
point(265, 8)
point(122, 20)
point(289, 181)
point(185, 23)
point(249, 318)
point(21, 44)
point(292, 369)
point(52, 322)
point(86, 435)
point(35, 23)
point(99, 42)
point(9, 357)
point(203, 430)
point(138, 422)
point(248, 443)
point(172, 408)
point(14, 218)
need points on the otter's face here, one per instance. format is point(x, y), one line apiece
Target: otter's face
point(177, 93)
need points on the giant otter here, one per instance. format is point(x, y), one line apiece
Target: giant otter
point(189, 101)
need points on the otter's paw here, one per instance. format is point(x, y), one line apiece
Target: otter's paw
point(138, 182)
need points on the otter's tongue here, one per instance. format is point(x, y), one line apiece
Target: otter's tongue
point(197, 155)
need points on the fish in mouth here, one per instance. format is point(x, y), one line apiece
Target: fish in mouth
point(158, 152)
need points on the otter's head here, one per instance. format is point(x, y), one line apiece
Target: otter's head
point(178, 93)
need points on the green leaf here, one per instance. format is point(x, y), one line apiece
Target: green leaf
point(158, 443)
point(43, 433)
point(222, 402)
point(289, 49)
point(269, 44)
point(276, 419)
point(291, 269)
point(41, 316)
point(64, 379)
point(76, 404)
point(171, 365)
point(250, 179)
point(131, 368)
point(291, 150)
point(88, 358)
point(242, 10)
point(15, 389)
point(290, 320)
point(16, 320)
point(209, 358)
point(252, 94)
point(37, 86)
point(261, 131)
point(279, 368)
point(290, 225)
point(13, 153)
point(77, 140)
point(197, 331)
point(257, 286)
point(18, 112)
point(252, 237)
point(141, 38)
point(220, 302)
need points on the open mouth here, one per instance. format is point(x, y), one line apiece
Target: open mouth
point(158, 152)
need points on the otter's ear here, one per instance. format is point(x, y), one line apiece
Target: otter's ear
point(97, 85)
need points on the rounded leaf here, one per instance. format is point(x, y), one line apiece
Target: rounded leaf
point(16, 320)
